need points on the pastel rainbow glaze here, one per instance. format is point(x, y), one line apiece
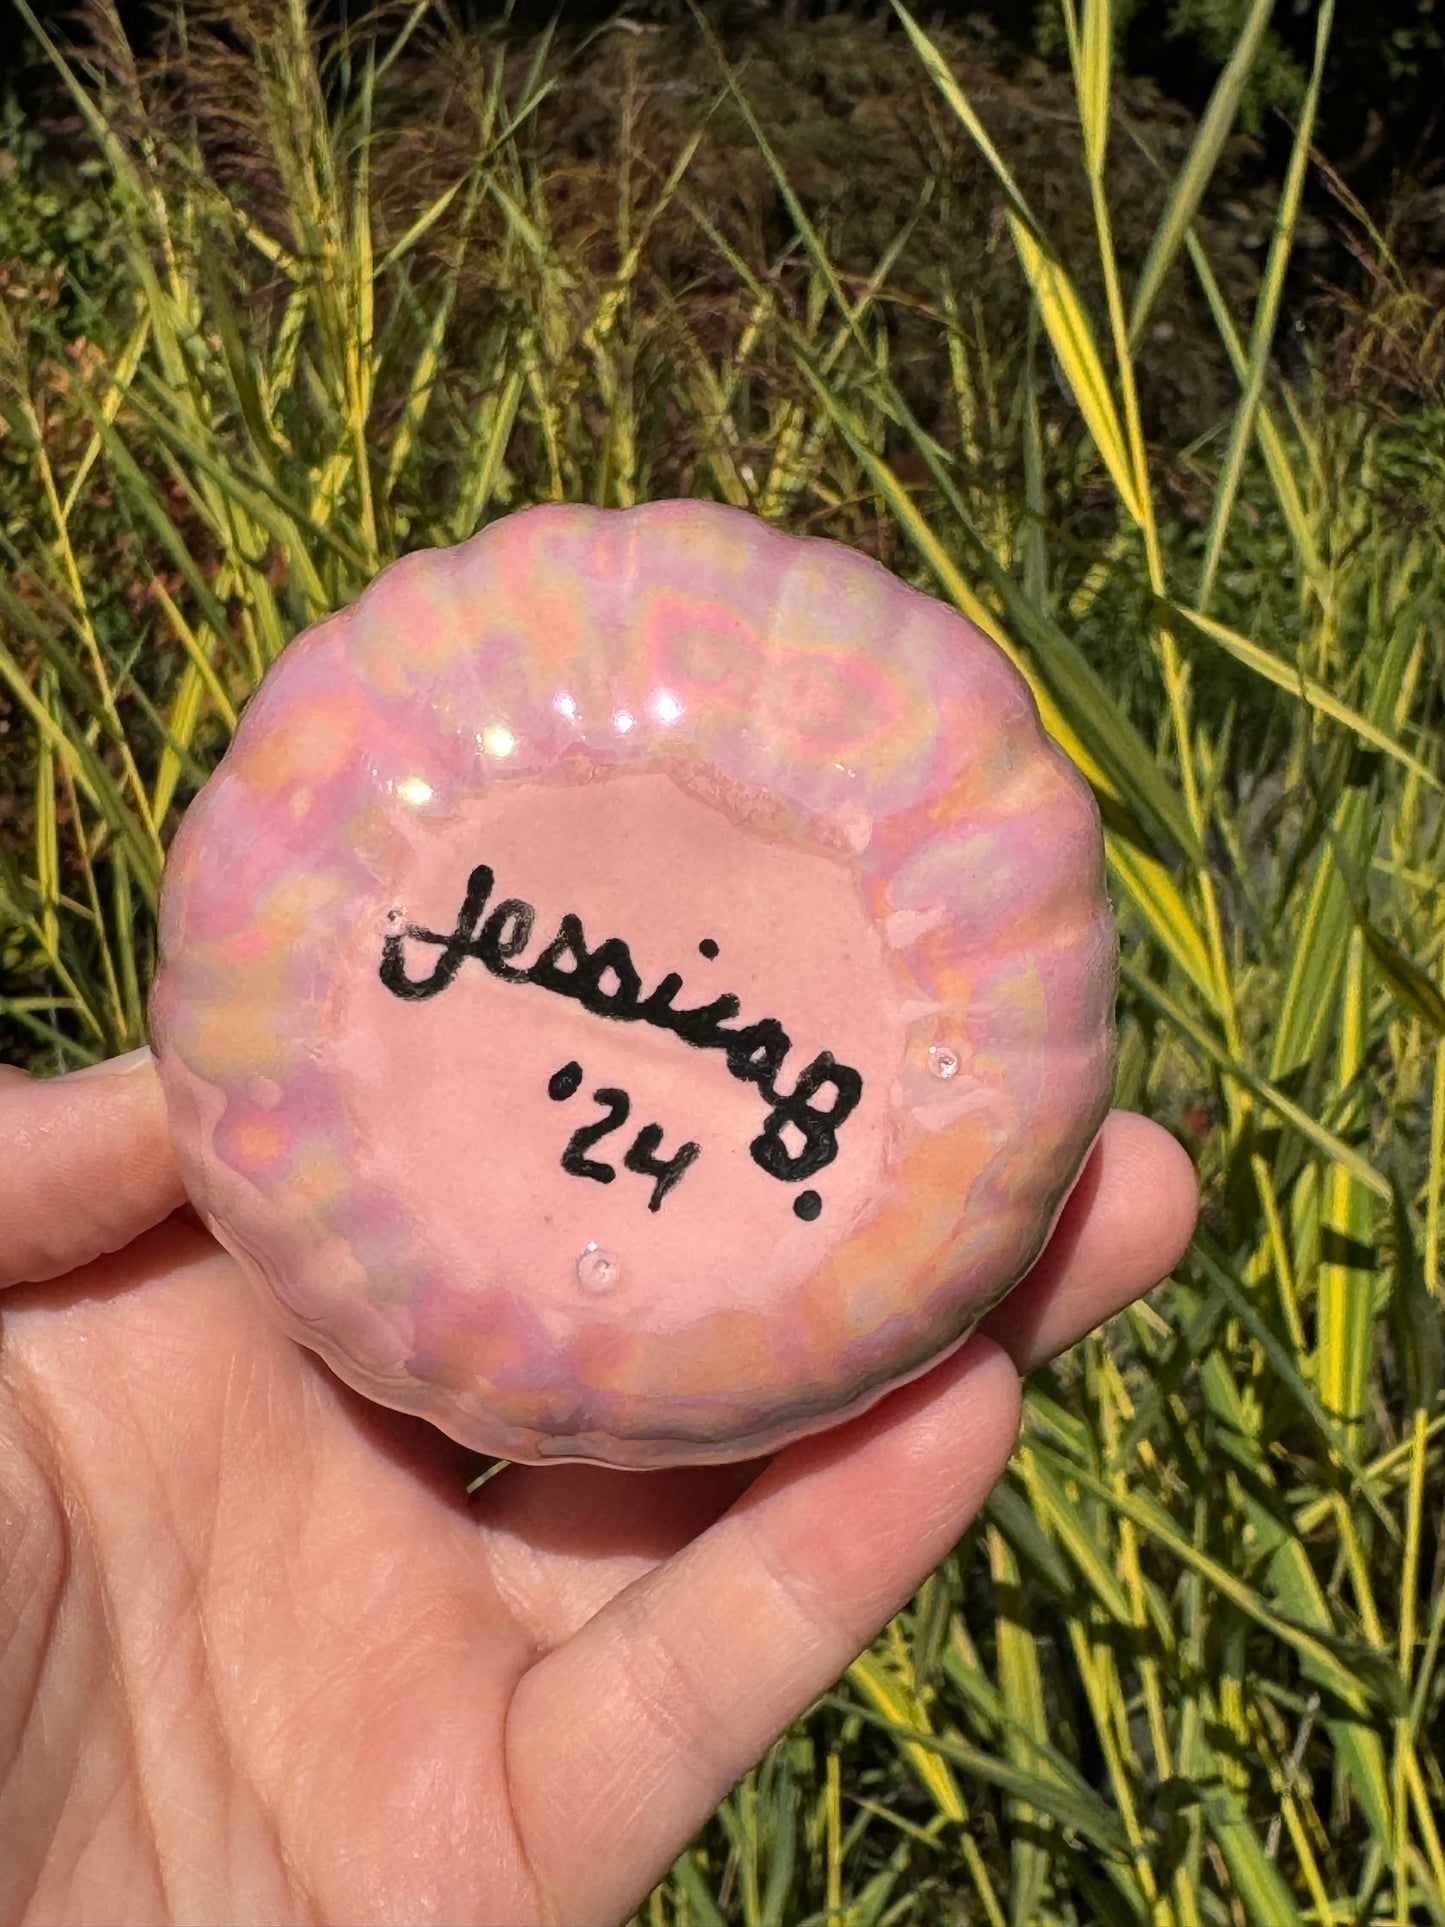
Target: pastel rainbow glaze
point(682, 725)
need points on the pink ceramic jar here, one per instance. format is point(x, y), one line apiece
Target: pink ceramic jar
point(638, 985)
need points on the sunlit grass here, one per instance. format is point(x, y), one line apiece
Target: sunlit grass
point(1188, 1668)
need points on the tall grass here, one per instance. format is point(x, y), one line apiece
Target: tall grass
point(1188, 1667)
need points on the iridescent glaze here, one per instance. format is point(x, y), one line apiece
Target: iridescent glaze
point(796, 792)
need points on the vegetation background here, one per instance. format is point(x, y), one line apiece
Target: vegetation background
point(1150, 387)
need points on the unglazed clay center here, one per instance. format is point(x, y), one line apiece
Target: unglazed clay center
point(638, 986)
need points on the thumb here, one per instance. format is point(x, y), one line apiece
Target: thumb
point(85, 1166)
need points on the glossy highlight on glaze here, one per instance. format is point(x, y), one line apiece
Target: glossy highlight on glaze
point(761, 753)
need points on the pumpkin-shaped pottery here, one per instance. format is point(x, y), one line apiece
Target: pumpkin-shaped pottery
point(638, 986)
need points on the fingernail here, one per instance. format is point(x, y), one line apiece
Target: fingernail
point(113, 1066)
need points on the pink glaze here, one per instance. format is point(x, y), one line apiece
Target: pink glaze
point(769, 773)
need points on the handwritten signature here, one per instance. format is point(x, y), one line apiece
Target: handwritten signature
point(604, 980)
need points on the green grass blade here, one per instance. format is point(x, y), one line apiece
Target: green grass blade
point(1190, 184)
point(1309, 1128)
point(1069, 1807)
point(1266, 315)
point(1309, 691)
point(1346, 1277)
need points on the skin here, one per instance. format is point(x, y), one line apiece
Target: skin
point(261, 1659)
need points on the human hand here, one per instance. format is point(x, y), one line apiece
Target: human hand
point(262, 1659)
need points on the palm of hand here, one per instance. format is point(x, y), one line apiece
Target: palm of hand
point(261, 1658)
point(302, 1669)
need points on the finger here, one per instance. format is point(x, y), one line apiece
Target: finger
point(670, 1692)
point(1125, 1226)
point(563, 1539)
point(85, 1166)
